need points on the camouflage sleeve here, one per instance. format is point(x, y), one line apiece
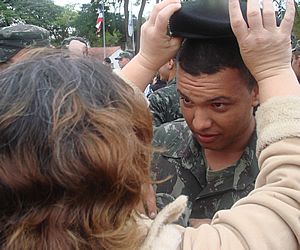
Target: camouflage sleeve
point(164, 105)
point(158, 108)
point(167, 142)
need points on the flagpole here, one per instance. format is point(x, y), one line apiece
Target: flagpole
point(133, 43)
point(103, 30)
point(130, 27)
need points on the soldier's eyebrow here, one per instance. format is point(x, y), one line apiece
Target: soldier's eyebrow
point(219, 99)
point(179, 92)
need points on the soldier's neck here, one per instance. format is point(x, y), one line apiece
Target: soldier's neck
point(219, 160)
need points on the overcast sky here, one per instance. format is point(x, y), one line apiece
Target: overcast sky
point(64, 2)
point(147, 10)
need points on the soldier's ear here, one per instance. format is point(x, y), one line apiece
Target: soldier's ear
point(171, 64)
point(255, 96)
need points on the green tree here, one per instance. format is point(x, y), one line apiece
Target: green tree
point(44, 13)
point(63, 25)
point(7, 14)
point(85, 25)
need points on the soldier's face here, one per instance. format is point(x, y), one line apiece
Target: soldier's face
point(218, 108)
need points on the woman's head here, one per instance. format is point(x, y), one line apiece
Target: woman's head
point(74, 151)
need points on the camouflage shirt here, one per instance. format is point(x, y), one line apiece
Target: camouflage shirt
point(164, 104)
point(181, 162)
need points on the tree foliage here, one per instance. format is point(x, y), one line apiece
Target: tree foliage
point(85, 22)
point(43, 13)
point(64, 21)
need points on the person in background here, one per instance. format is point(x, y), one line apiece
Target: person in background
point(164, 103)
point(77, 45)
point(107, 62)
point(296, 60)
point(157, 83)
point(15, 40)
point(124, 58)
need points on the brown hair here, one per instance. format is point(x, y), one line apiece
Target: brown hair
point(74, 152)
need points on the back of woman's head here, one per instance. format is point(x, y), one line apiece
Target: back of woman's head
point(74, 152)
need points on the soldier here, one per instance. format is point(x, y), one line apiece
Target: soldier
point(164, 103)
point(210, 154)
point(15, 40)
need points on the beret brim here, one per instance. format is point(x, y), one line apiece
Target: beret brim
point(203, 19)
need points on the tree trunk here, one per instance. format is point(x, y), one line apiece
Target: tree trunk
point(139, 24)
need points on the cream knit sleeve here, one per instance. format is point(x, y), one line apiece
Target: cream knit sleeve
point(282, 120)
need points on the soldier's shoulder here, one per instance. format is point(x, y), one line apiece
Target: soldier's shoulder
point(171, 133)
point(164, 92)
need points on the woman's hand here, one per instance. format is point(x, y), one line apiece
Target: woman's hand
point(157, 47)
point(265, 48)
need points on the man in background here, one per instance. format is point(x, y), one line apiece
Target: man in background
point(77, 45)
point(164, 103)
point(124, 58)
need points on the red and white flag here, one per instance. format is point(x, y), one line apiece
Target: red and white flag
point(100, 18)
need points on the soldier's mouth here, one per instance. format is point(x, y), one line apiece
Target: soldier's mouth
point(206, 138)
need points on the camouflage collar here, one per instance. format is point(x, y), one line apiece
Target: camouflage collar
point(172, 81)
point(242, 173)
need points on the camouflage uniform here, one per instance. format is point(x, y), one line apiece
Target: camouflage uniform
point(164, 104)
point(16, 37)
point(181, 161)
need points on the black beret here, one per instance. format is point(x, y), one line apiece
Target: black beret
point(203, 19)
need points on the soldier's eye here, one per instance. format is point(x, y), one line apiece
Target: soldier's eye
point(219, 106)
point(185, 100)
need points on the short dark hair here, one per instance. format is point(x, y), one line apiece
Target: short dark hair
point(210, 56)
point(107, 60)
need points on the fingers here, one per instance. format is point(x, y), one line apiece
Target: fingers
point(158, 7)
point(254, 15)
point(140, 208)
point(288, 20)
point(164, 15)
point(269, 17)
point(151, 202)
point(238, 24)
